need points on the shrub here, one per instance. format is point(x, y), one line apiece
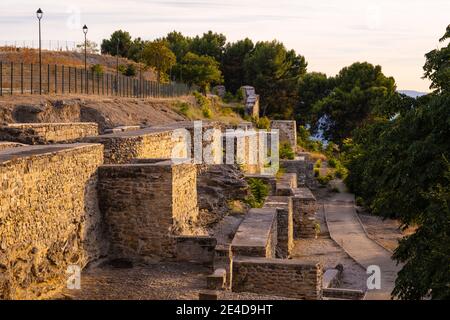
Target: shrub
point(335, 190)
point(318, 163)
point(332, 163)
point(228, 97)
point(316, 172)
point(130, 70)
point(286, 152)
point(341, 172)
point(206, 111)
point(183, 108)
point(259, 191)
point(359, 202)
point(97, 69)
point(263, 123)
point(323, 180)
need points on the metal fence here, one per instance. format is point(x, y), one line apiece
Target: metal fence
point(51, 45)
point(20, 78)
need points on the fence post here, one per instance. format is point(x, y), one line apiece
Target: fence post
point(1, 78)
point(31, 78)
point(76, 80)
point(21, 77)
point(12, 77)
point(56, 79)
point(48, 79)
point(62, 79)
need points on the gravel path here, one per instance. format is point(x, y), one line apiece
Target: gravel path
point(346, 229)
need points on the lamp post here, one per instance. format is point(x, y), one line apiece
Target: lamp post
point(85, 31)
point(39, 15)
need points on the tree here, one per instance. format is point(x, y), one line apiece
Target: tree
point(210, 44)
point(155, 54)
point(233, 63)
point(200, 70)
point(437, 66)
point(358, 89)
point(312, 87)
point(178, 43)
point(400, 167)
point(91, 47)
point(136, 49)
point(275, 72)
point(118, 38)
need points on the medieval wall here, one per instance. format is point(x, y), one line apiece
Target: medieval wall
point(144, 205)
point(305, 207)
point(286, 278)
point(45, 133)
point(288, 131)
point(257, 234)
point(49, 216)
point(122, 147)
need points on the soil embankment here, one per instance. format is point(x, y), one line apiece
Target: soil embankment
point(108, 112)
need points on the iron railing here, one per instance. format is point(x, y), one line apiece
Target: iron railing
point(20, 78)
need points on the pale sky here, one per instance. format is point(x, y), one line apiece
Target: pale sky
point(331, 34)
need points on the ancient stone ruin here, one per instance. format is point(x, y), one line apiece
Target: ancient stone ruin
point(72, 197)
point(251, 101)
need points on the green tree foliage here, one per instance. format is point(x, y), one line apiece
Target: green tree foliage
point(259, 190)
point(178, 43)
point(97, 69)
point(157, 55)
point(199, 70)
point(437, 66)
point(399, 168)
point(210, 44)
point(118, 38)
point(358, 89)
point(275, 73)
point(312, 87)
point(136, 49)
point(233, 63)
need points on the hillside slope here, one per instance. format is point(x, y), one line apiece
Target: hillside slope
point(108, 112)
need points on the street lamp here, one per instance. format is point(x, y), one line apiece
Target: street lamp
point(85, 31)
point(39, 15)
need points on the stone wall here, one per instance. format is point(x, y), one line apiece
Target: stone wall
point(45, 133)
point(288, 131)
point(297, 166)
point(122, 147)
point(196, 249)
point(145, 205)
point(305, 207)
point(285, 224)
point(285, 278)
point(257, 234)
point(286, 183)
point(49, 216)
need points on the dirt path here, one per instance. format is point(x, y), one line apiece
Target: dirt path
point(346, 229)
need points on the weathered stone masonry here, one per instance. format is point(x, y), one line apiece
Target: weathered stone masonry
point(145, 205)
point(287, 278)
point(49, 216)
point(45, 133)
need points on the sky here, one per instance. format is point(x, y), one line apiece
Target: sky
point(331, 34)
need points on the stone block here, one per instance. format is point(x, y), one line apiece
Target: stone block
point(217, 280)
